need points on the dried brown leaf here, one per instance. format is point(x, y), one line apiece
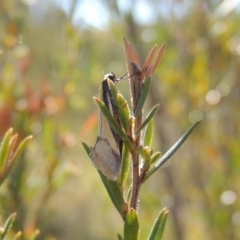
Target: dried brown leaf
point(157, 60)
point(148, 61)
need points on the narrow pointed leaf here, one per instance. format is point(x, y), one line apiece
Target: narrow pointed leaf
point(148, 118)
point(114, 192)
point(143, 97)
point(125, 167)
point(35, 235)
point(124, 112)
point(157, 60)
point(4, 148)
point(14, 157)
point(136, 84)
point(8, 155)
point(21, 147)
point(8, 225)
point(171, 151)
point(112, 187)
point(162, 225)
point(149, 58)
point(159, 225)
point(114, 124)
point(129, 52)
point(148, 134)
point(119, 237)
point(131, 226)
point(17, 236)
point(114, 91)
point(12, 145)
point(86, 147)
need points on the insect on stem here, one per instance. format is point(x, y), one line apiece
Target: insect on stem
point(107, 152)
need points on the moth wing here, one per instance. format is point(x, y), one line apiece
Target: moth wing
point(105, 158)
point(105, 131)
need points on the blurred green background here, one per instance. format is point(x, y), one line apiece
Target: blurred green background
point(53, 55)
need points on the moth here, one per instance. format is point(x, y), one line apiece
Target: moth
point(106, 155)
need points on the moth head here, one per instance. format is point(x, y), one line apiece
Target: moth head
point(111, 76)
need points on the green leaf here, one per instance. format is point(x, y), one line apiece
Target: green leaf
point(145, 153)
point(86, 147)
point(159, 225)
point(4, 149)
point(7, 225)
point(148, 134)
point(171, 151)
point(14, 156)
point(114, 91)
point(115, 193)
point(155, 156)
point(35, 235)
point(131, 226)
point(17, 236)
point(125, 167)
point(162, 225)
point(147, 159)
point(119, 237)
point(21, 147)
point(148, 118)
point(143, 97)
point(124, 113)
point(114, 124)
point(129, 193)
point(113, 188)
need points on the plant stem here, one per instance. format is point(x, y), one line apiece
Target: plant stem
point(135, 182)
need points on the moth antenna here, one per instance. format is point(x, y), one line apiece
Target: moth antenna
point(122, 78)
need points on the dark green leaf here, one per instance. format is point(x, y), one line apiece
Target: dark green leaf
point(114, 192)
point(86, 147)
point(119, 237)
point(112, 187)
point(148, 118)
point(159, 225)
point(143, 97)
point(171, 151)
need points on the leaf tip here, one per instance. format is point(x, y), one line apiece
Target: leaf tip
point(29, 137)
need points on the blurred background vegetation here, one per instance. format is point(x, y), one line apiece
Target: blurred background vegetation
point(53, 55)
